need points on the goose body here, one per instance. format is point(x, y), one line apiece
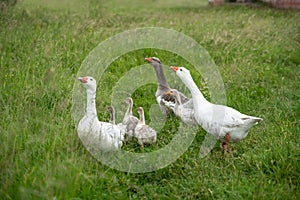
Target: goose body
point(129, 120)
point(184, 112)
point(225, 123)
point(97, 135)
point(144, 133)
point(165, 102)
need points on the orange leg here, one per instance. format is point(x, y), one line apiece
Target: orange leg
point(225, 147)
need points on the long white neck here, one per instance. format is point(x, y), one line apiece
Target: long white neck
point(196, 93)
point(91, 103)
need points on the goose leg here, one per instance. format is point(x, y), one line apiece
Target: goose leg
point(225, 147)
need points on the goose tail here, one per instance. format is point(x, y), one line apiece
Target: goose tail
point(254, 120)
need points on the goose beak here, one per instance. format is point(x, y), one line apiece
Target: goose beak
point(83, 79)
point(148, 59)
point(168, 93)
point(175, 69)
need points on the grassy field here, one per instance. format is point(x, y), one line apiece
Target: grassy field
point(42, 45)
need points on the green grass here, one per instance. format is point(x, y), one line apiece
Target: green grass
point(42, 46)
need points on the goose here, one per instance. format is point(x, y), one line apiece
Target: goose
point(166, 102)
point(112, 120)
point(129, 120)
point(111, 111)
point(97, 135)
point(223, 122)
point(183, 111)
point(144, 133)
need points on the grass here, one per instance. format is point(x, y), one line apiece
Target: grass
point(42, 46)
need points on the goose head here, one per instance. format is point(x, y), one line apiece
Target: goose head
point(110, 109)
point(88, 82)
point(140, 110)
point(183, 73)
point(168, 93)
point(128, 100)
point(172, 92)
point(154, 61)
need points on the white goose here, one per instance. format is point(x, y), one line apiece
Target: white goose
point(144, 133)
point(129, 120)
point(225, 123)
point(94, 134)
point(183, 111)
point(166, 103)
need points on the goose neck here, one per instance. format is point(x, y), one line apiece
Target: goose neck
point(91, 103)
point(129, 109)
point(196, 93)
point(177, 99)
point(112, 117)
point(142, 117)
point(161, 79)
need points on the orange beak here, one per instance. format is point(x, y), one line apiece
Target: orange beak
point(148, 59)
point(83, 79)
point(175, 69)
point(168, 93)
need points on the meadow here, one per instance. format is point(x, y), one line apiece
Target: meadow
point(42, 46)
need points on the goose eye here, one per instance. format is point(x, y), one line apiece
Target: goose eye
point(180, 69)
point(91, 79)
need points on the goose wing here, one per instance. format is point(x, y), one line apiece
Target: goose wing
point(234, 118)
